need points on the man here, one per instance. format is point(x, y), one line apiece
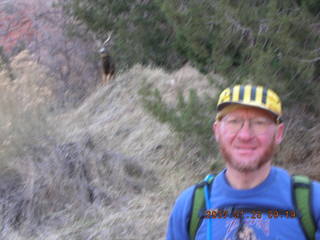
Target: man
point(250, 198)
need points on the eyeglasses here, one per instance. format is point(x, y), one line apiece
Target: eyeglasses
point(257, 125)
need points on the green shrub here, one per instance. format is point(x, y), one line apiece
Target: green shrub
point(191, 118)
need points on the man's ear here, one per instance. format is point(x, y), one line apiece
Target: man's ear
point(279, 133)
point(215, 130)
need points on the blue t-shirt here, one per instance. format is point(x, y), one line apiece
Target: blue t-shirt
point(263, 212)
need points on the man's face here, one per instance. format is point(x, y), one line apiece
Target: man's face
point(247, 138)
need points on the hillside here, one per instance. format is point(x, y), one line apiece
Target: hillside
point(105, 170)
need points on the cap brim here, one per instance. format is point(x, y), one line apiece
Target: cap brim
point(223, 106)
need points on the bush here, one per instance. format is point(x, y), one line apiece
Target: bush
point(191, 118)
point(141, 33)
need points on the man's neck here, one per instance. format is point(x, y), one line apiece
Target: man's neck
point(247, 180)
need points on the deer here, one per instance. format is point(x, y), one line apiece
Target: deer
point(108, 65)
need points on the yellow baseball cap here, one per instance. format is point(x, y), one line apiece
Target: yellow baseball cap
point(249, 95)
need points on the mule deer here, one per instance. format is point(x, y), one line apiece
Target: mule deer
point(108, 65)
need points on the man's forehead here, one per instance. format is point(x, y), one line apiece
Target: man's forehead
point(240, 110)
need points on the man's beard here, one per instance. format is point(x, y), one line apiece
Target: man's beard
point(254, 165)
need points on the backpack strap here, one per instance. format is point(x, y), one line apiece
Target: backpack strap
point(302, 199)
point(198, 206)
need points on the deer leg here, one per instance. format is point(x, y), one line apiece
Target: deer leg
point(103, 80)
point(108, 77)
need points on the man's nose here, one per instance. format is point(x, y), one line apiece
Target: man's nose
point(246, 131)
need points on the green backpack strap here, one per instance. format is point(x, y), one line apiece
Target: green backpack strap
point(302, 199)
point(197, 207)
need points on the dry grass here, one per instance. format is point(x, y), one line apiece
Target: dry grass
point(105, 170)
point(300, 149)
